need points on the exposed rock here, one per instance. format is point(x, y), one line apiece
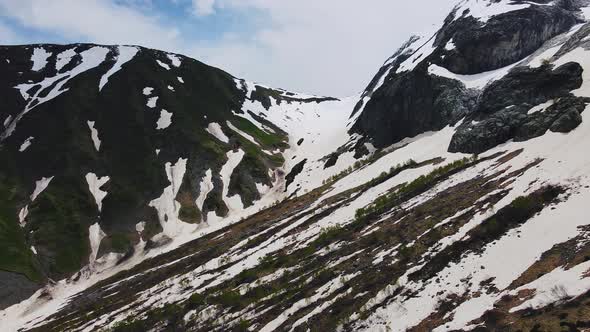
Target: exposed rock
point(567, 122)
point(502, 40)
point(411, 103)
point(294, 172)
point(530, 85)
point(497, 128)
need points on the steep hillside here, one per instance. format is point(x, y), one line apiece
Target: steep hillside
point(107, 151)
point(145, 191)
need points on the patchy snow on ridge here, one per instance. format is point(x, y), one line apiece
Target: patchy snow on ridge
point(91, 58)
point(126, 53)
point(163, 65)
point(483, 10)
point(64, 58)
point(175, 60)
point(39, 58)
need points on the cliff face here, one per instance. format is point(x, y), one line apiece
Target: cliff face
point(432, 85)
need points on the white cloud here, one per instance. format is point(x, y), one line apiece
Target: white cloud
point(327, 47)
point(8, 36)
point(96, 20)
point(203, 7)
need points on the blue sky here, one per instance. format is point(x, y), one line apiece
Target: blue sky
point(326, 47)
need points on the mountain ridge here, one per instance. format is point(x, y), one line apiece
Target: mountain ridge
point(429, 202)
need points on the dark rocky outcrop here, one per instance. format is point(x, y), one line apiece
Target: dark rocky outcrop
point(298, 168)
point(525, 85)
point(411, 103)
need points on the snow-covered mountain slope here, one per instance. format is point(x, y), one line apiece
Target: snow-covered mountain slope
point(110, 152)
point(449, 196)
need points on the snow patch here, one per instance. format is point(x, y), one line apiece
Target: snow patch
point(39, 58)
point(64, 58)
point(94, 135)
point(147, 91)
point(180, 79)
point(166, 204)
point(94, 184)
point(126, 53)
point(215, 129)
point(95, 235)
point(40, 186)
point(151, 103)
point(26, 144)
point(205, 186)
point(175, 60)
point(165, 120)
point(163, 65)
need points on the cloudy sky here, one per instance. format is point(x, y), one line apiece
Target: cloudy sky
point(327, 47)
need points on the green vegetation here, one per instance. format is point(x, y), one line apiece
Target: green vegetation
point(189, 213)
point(327, 236)
point(16, 255)
point(385, 202)
point(267, 140)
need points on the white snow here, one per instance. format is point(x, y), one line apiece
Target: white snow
point(91, 58)
point(64, 58)
point(475, 81)
point(163, 65)
point(450, 45)
point(39, 58)
point(151, 103)
point(7, 120)
point(126, 53)
point(94, 184)
point(22, 215)
point(147, 91)
point(541, 107)
point(165, 120)
point(180, 79)
point(34, 250)
point(215, 129)
point(175, 60)
point(95, 235)
point(94, 135)
point(40, 185)
point(556, 286)
point(171, 88)
point(166, 204)
point(484, 10)
point(205, 186)
point(26, 144)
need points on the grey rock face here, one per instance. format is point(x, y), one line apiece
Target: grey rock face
point(502, 40)
point(515, 123)
point(530, 85)
point(14, 287)
point(412, 103)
